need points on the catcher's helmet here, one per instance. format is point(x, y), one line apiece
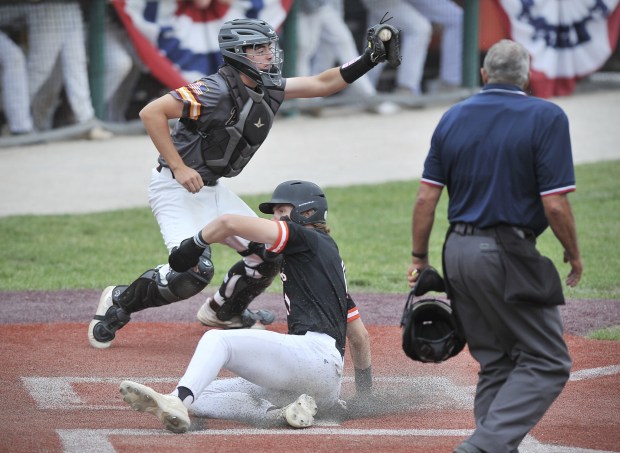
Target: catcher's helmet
point(304, 196)
point(431, 332)
point(237, 34)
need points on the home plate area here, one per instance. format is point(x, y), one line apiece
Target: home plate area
point(65, 398)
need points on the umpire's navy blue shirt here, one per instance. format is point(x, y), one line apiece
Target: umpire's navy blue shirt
point(497, 153)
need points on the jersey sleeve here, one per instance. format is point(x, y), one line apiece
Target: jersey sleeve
point(433, 170)
point(292, 239)
point(352, 310)
point(282, 239)
point(196, 97)
point(555, 172)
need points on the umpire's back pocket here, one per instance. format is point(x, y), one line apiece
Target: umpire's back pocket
point(530, 276)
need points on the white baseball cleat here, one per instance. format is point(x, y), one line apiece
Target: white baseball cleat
point(300, 414)
point(207, 316)
point(105, 302)
point(167, 408)
point(247, 320)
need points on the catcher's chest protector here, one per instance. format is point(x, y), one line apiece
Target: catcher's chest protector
point(228, 148)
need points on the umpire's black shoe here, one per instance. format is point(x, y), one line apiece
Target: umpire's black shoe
point(107, 320)
point(466, 447)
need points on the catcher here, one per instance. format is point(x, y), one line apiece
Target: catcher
point(223, 120)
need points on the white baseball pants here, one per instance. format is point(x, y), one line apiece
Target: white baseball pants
point(273, 369)
point(180, 214)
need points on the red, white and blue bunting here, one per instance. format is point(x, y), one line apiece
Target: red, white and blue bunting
point(567, 39)
point(178, 41)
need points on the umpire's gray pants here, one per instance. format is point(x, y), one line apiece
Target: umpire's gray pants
point(524, 361)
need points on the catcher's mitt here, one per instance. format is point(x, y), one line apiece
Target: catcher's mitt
point(381, 51)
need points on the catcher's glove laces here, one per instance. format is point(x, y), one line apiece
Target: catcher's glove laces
point(384, 20)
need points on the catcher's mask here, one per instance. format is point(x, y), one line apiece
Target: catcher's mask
point(431, 332)
point(304, 196)
point(237, 35)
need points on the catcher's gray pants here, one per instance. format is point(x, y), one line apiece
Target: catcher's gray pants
point(524, 362)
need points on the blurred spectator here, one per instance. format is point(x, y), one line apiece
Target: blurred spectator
point(123, 68)
point(414, 18)
point(57, 57)
point(415, 37)
point(450, 16)
point(14, 75)
point(321, 29)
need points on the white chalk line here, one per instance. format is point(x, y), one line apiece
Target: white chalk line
point(57, 393)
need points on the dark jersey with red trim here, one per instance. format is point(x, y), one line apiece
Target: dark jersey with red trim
point(314, 281)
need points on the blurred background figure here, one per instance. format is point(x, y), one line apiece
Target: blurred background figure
point(449, 16)
point(415, 37)
point(57, 59)
point(415, 19)
point(324, 39)
point(122, 69)
point(13, 71)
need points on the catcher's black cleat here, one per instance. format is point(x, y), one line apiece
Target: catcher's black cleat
point(249, 318)
point(107, 320)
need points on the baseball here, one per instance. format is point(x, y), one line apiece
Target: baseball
point(385, 35)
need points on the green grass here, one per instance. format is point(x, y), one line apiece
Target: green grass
point(370, 223)
point(610, 334)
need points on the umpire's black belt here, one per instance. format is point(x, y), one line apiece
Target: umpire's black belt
point(467, 229)
point(206, 183)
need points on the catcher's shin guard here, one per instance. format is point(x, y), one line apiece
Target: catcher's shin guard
point(163, 286)
point(241, 286)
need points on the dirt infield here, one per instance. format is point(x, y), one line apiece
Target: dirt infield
point(60, 395)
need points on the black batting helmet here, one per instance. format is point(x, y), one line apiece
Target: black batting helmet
point(431, 332)
point(304, 196)
point(237, 34)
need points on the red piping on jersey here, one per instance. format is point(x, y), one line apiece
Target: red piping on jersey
point(282, 238)
point(353, 314)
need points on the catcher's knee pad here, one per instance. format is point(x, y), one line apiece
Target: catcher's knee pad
point(163, 286)
point(242, 284)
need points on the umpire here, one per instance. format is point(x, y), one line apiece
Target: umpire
point(506, 160)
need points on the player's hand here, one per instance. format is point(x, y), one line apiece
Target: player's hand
point(185, 256)
point(415, 270)
point(189, 178)
point(576, 269)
